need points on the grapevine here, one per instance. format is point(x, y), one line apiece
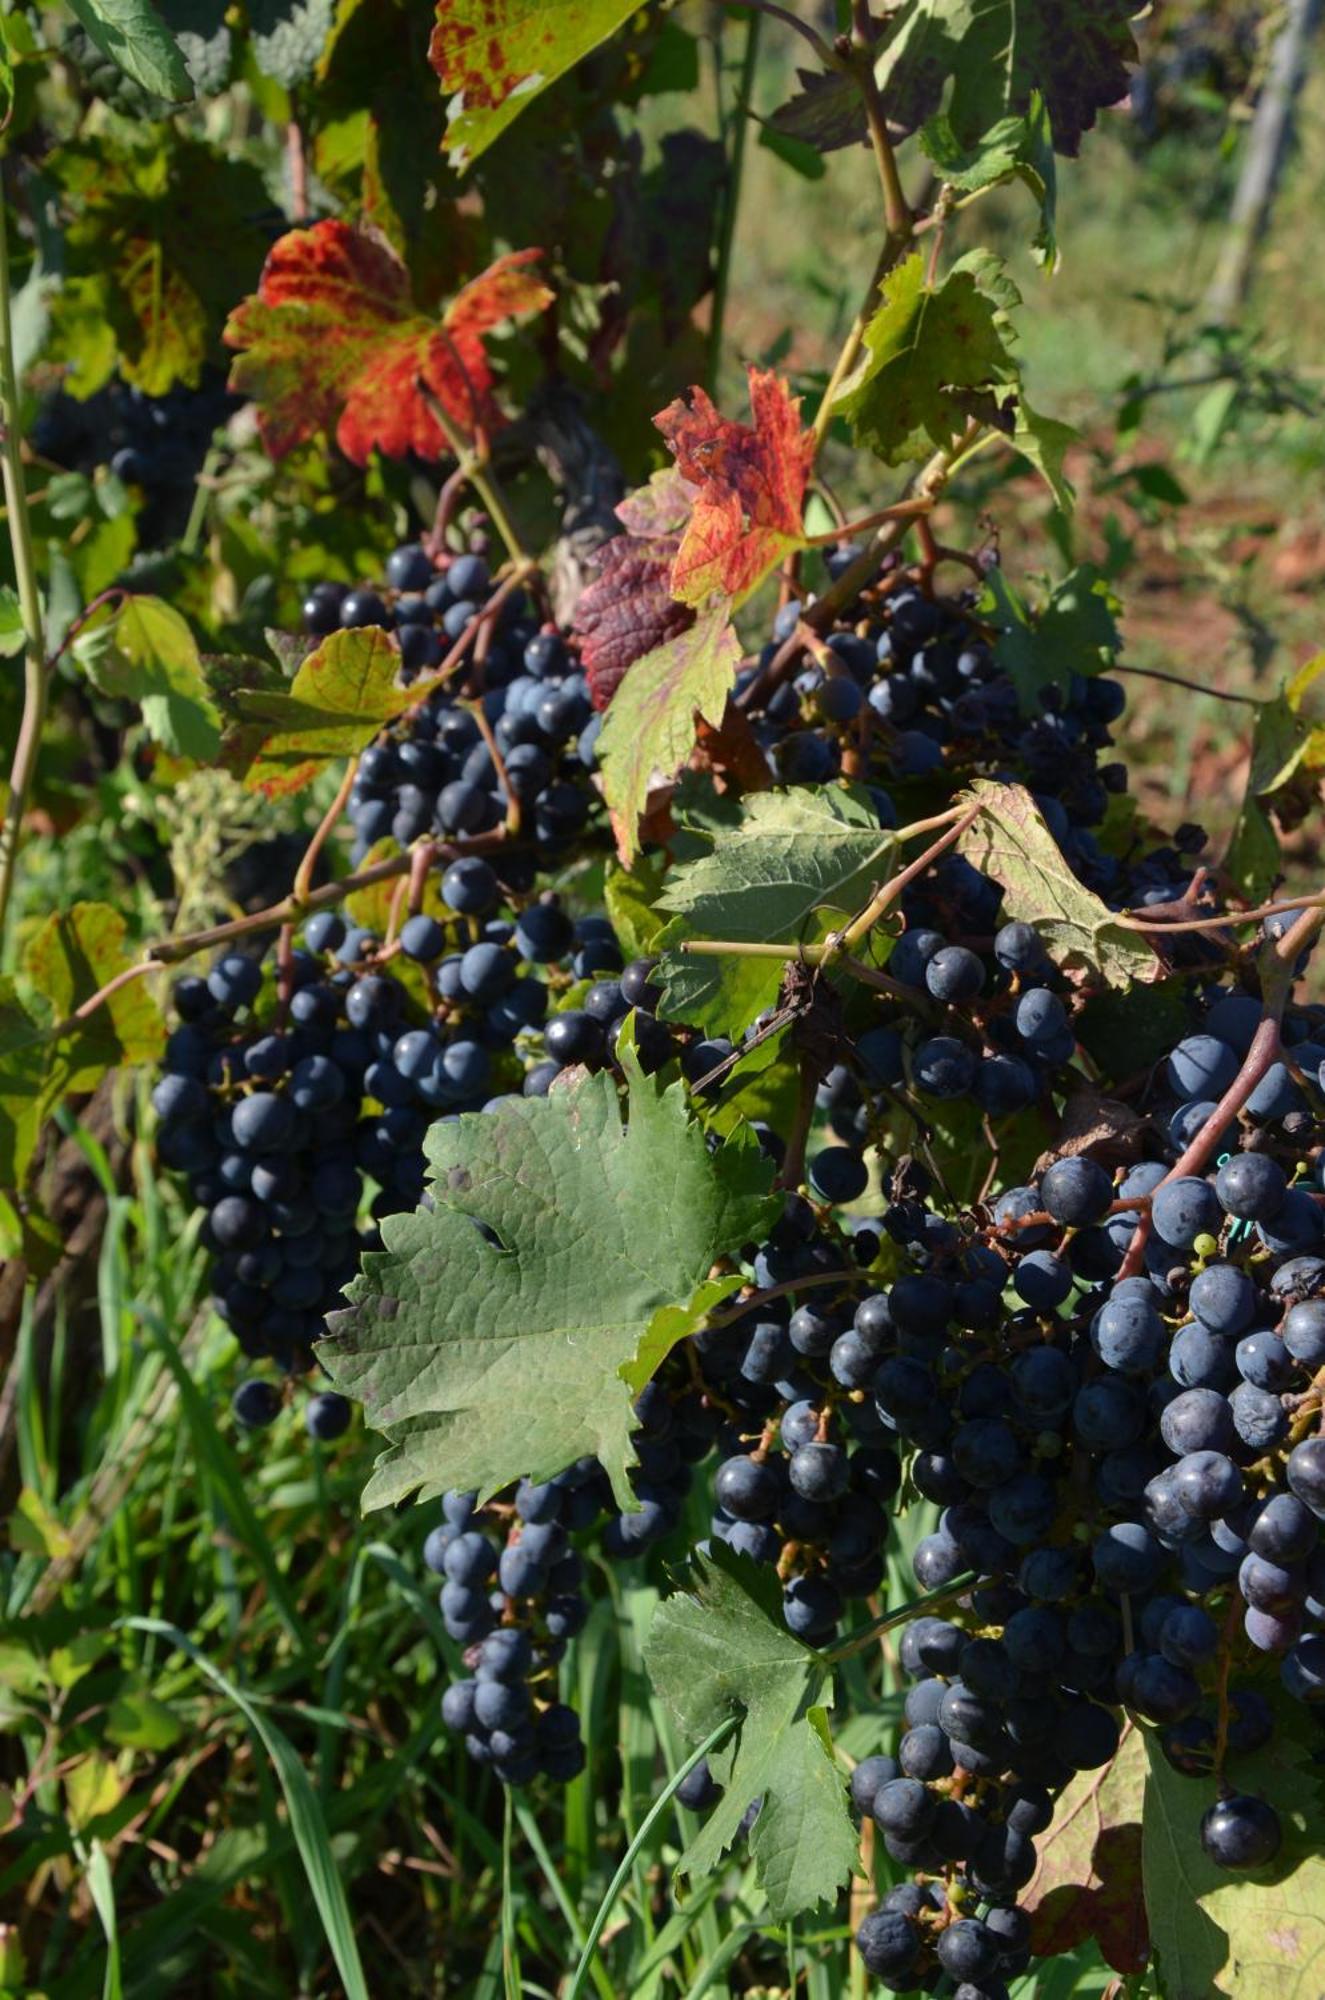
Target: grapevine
point(721, 1087)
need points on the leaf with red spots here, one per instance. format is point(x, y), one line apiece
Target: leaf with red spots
point(495, 56)
point(339, 699)
point(650, 727)
point(333, 340)
point(1087, 1881)
point(750, 488)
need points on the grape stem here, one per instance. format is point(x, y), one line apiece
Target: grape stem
point(827, 55)
point(751, 1301)
point(23, 769)
point(1163, 926)
point(858, 1641)
point(472, 461)
point(1277, 979)
point(303, 880)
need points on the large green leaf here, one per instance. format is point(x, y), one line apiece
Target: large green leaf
point(493, 1337)
point(493, 62)
point(793, 862)
point(997, 54)
point(650, 726)
point(1254, 1936)
point(145, 653)
point(1010, 843)
point(134, 36)
point(931, 352)
point(1073, 632)
point(720, 1648)
point(1087, 1881)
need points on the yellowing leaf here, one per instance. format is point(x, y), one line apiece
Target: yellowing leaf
point(339, 699)
point(494, 62)
point(928, 352)
point(1010, 842)
point(92, 1787)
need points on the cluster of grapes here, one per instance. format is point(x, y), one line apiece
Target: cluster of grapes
point(443, 773)
point(513, 1595)
point(909, 695)
point(1117, 1457)
point(155, 444)
point(513, 1598)
point(285, 1112)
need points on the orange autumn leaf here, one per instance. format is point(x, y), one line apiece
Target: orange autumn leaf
point(750, 488)
point(332, 340)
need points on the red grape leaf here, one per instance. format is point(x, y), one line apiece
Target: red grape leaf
point(1087, 1881)
point(750, 485)
point(494, 59)
point(650, 726)
point(333, 340)
point(627, 610)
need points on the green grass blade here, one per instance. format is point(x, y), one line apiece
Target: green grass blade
point(647, 1824)
point(306, 1818)
point(102, 1891)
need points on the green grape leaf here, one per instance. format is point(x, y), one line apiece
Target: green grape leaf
point(337, 702)
point(1010, 843)
point(1046, 442)
point(493, 63)
point(794, 862)
point(205, 41)
point(932, 354)
point(289, 37)
point(1284, 744)
point(999, 54)
point(12, 636)
point(630, 898)
point(1256, 1936)
point(1075, 631)
point(720, 1648)
point(133, 35)
point(144, 652)
point(1087, 1881)
point(827, 111)
point(600, 1227)
point(23, 1103)
point(1011, 149)
point(72, 956)
point(650, 727)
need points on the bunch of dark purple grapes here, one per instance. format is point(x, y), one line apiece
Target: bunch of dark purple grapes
point(436, 774)
point(292, 1116)
point(514, 1590)
point(911, 697)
